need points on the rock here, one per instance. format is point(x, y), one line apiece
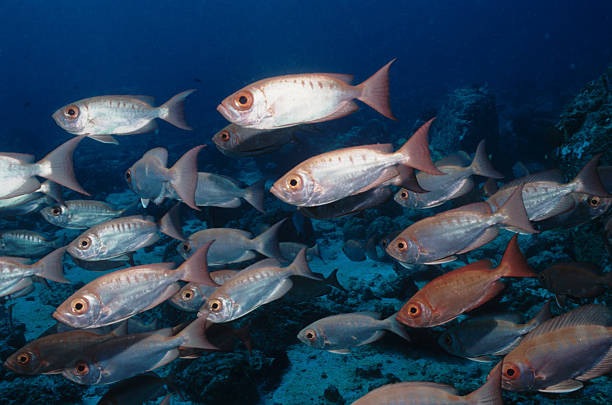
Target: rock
point(333, 395)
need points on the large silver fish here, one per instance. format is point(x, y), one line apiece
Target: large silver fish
point(121, 294)
point(285, 101)
point(15, 274)
point(193, 295)
point(456, 181)
point(437, 239)
point(236, 141)
point(580, 208)
point(340, 333)
point(103, 116)
point(233, 245)
point(115, 238)
point(150, 179)
point(257, 285)
point(334, 175)
point(80, 214)
point(21, 242)
point(18, 171)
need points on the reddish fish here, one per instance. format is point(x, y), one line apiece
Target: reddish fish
point(285, 101)
point(468, 287)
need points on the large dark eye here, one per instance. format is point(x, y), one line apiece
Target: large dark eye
point(414, 310)
point(225, 136)
point(243, 100)
point(81, 368)
point(294, 183)
point(71, 112)
point(403, 194)
point(56, 211)
point(511, 371)
point(84, 243)
point(187, 295)
point(215, 305)
point(24, 358)
point(186, 247)
point(594, 201)
point(128, 175)
point(310, 335)
point(448, 339)
point(401, 245)
point(79, 306)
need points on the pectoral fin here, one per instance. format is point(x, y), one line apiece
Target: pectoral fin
point(563, 387)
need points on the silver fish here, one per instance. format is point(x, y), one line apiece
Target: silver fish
point(193, 295)
point(21, 242)
point(80, 214)
point(236, 141)
point(233, 245)
point(113, 239)
point(27, 203)
point(103, 116)
point(290, 250)
point(122, 294)
point(257, 285)
point(150, 179)
point(580, 208)
point(18, 171)
point(340, 333)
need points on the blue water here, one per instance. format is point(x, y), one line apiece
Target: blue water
point(536, 54)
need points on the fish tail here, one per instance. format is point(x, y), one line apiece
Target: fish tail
point(53, 190)
point(482, 166)
point(588, 180)
point(195, 269)
point(194, 335)
point(408, 179)
point(392, 325)
point(332, 280)
point(490, 392)
point(415, 152)
point(543, 314)
point(60, 169)
point(254, 195)
point(173, 110)
point(51, 266)
point(513, 212)
point(513, 263)
point(299, 266)
point(170, 224)
point(184, 176)
point(267, 242)
point(375, 91)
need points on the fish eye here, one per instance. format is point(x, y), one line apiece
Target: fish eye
point(414, 310)
point(56, 211)
point(71, 112)
point(448, 339)
point(79, 306)
point(215, 305)
point(512, 372)
point(310, 335)
point(243, 100)
point(294, 182)
point(225, 136)
point(402, 245)
point(128, 175)
point(594, 201)
point(187, 295)
point(81, 368)
point(403, 194)
point(186, 247)
point(24, 358)
point(84, 243)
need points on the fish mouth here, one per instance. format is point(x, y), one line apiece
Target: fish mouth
point(227, 113)
point(63, 319)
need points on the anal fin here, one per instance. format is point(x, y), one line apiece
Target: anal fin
point(443, 260)
point(104, 138)
point(345, 108)
point(487, 236)
point(340, 351)
point(563, 387)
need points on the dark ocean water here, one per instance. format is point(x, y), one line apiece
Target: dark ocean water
point(533, 57)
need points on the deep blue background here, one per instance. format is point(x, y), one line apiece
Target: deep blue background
point(55, 52)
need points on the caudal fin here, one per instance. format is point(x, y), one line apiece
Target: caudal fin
point(513, 212)
point(184, 176)
point(195, 269)
point(588, 180)
point(53, 190)
point(254, 195)
point(415, 152)
point(513, 263)
point(173, 110)
point(51, 266)
point(481, 165)
point(391, 324)
point(407, 178)
point(194, 336)
point(170, 224)
point(57, 165)
point(490, 392)
point(299, 266)
point(375, 91)
point(267, 242)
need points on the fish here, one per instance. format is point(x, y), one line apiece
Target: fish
point(215, 190)
point(439, 238)
point(561, 353)
point(136, 390)
point(428, 393)
point(334, 175)
point(289, 250)
point(348, 205)
point(114, 239)
point(305, 289)
point(575, 280)
point(284, 101)
point(340, 333)
point(355, 250)
point(80, 214)
point(580, 209)
point(18, 171)
point(15, 273)
point(150, 179)
point(32, 202)
point(233, 245)
point(377, 244)
point(237, 141)
point(456, 182)
point(482, 338)
point(544, 192)
point(192, 296)
point(122, 294)
point(103, 116)
point(126, 356)
point(257, 285)
point(605, 175)
point(464, 289)
point(22, 242)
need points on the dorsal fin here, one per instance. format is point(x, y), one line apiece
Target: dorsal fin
point(22, 157)
point(585, 315)
point(158, 153)
point(345, 78)
point(269, 262)
point(456, 159)
point(146, 99)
